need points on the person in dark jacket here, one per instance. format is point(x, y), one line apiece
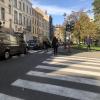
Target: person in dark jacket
point(88, 42)
point(55, 45)
point(45, 44)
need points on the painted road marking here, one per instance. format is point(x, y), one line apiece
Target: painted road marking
point(7, 97)
point(56, 69)
point(65, 78)
point(57, 90)
point(78, 65)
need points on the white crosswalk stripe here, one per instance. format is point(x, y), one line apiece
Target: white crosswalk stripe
point(69, 70)
point(72, 65)
point(40, 52)
point(76, 62)
point(78, 58)
point(32, 51)
point(65, 78)
point(7, 97)
point(76, 66)
point(58, 90)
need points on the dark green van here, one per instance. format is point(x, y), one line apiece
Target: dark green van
point(11, 45)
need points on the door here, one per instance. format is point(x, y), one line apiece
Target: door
point(14, 46)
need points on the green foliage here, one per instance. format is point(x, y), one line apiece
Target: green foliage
point(84, 27)
point(96, 5)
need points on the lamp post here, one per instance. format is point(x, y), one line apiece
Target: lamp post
point(65, 15)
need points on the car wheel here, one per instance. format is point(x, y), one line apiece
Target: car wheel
point(6, 55)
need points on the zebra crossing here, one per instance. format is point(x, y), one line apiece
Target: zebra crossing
point(49, 52)
point(7, 97)
point(77, 78)
point(40, 51)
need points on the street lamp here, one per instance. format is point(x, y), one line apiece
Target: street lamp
point(65, 15)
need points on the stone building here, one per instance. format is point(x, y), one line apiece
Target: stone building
point(16, 17)
point(6, 15)
point(22, 18)
point(40, 24)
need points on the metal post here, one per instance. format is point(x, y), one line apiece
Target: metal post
point(64, 31)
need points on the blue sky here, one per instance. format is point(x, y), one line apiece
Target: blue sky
point(57, 8)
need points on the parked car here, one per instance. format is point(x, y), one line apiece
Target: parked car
point(32, 44)
point(11, 45)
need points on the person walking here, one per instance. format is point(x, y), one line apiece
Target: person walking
point(88, 42)
point(55, 45)
point(45, 45)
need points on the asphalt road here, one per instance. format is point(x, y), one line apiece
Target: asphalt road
point(41, 76)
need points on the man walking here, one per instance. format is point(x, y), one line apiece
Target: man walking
point(88, 42)
point(55, 45)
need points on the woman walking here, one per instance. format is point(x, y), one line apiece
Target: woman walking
point(55, 45)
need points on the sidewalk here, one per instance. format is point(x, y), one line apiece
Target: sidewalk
point(77, 52)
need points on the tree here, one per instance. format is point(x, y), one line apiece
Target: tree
point(84, 27)
point(96, 5)
point(96, 9)
point(62, 33)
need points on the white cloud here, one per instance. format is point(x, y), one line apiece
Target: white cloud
point(56, 10)
point(52, 9)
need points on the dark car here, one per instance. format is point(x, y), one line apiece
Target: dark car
point(32, 44)
point(11, 45)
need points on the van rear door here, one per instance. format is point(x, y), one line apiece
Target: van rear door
point(1, 45)
point(14, 45)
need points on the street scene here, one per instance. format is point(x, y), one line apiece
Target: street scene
point(49, 50)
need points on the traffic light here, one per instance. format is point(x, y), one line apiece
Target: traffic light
point(70, 26)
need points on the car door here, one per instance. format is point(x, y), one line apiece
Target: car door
point(14, 46)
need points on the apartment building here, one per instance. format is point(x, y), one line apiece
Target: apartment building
point(16, 17)
point(22, 18)
point(59, 32)
point(37, 24)
point(40, 24)
point(6, 15)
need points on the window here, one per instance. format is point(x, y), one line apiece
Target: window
point(23, 6)
point(20, 6)
point(13, 40)
point(27, 21)
point(24, 23)
point(15, 3)
point(2, 13)
point(9, 9)
point(30, 22)
point(2, 0)
point(30, 11)
point(15, 17)
point(10, 23)
point(27, 9)
point(20, 18)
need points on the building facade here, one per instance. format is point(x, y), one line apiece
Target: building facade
point(6, 15)
point(37, 24)
point(22, 18)
point(40, 24)
point(16, 17)
point(59, 32)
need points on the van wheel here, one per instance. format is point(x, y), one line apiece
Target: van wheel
point(6, 55)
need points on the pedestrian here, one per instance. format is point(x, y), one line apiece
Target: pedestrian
point(88, 42)
point(55, 45)
point(68, 46)
point(45, 45)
